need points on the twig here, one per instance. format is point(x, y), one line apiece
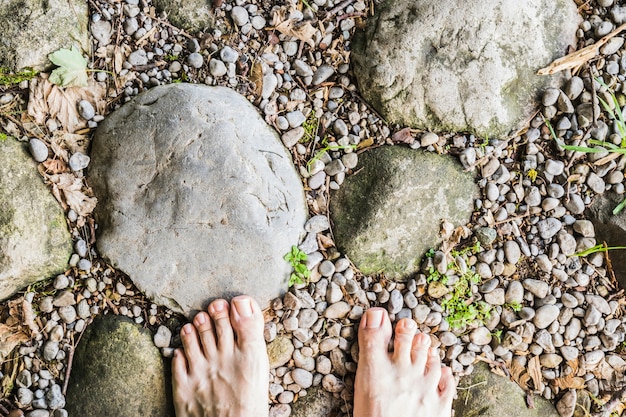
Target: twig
point(70, 359)
point(337, 9)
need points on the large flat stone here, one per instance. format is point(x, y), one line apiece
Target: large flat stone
point(389, 213)
point(198, 199)
point(33, 29)
point(191, 15)
point(117, 371)
point(453, 66)
point(35, 243)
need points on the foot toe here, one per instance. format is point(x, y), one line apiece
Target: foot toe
point(433, 367)
point(419, 351)
point(191, 344)
point(405, 332)
point(219, 312)
point(247, 322)
point(447, 385)
point(205, 329)
point(374, 334)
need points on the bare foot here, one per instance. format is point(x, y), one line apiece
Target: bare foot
point(224, 369)
point(407, 382)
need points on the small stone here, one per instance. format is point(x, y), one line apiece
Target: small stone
point(217, 68)
point(486, 235)
point(291, 137)
point(67, 314)
point(162, 337)
point(567, 404)
point(512, 251)
point(79, 161)
point(550, 360)
point(50, 350)
point(239, 15)
point(302, 377)
point(496, 297)
point(584, 228)
point(228, 54)
point(514, 293)
point(24, 396)
point(332, 384)
point(38, 150)
point(323, 73)
point(280, 410)
point(86, 110)
point(480, 336)
point(195, 60)
point(545, 316)
point(448, 338)
point(395, 302)
point(337, 310)
point(138, 58)
point(554, 167)
point(536, 287)
point(549, 227)
point(55, 398)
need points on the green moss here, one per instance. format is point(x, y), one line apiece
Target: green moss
point(9, 78)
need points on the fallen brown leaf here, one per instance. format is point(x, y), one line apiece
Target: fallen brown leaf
point(534, 370)
point(519, 375)
point(62, 142)
point(256, 77)
point(68, 191)
point(291, 27)
point(55, 166)
point(47, 100)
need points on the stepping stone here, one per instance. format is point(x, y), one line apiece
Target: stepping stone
point(198, 198)
point(117, 371)
point(389, 213)
point(452, 66)
point(35, 242)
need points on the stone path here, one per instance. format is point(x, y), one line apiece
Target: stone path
point(520, 301)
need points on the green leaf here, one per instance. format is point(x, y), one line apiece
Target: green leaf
point(72, 71)
point(617, 210)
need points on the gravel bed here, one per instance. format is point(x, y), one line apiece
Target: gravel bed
point(548, 310)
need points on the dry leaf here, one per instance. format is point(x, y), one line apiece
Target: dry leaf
point(61, 142)
point(256, 77)
point(291, 27)
point(28, 317)
point(68, 190)
point(519, 375)
point(403, 136)
point(534, 369)
point(578, 58)
point(365, 143)
point(47, 100)
point(54, 166)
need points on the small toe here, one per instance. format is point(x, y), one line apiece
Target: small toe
point(203, 324)
point(419, 352)
point(247, 322)
point(447, 385)
point(403, 341)
point(219, 312)
point(374, 335)
point(180, 380)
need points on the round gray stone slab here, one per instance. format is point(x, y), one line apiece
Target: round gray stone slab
point(198, 199)
point(451, 66)
point(32, 29)
point(117, 371)
point(34, 240)
point(389, 213)
point(191, 15)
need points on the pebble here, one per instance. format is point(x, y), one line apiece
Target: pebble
point(337, 310)
point(323, 73)
point(195, 60)
point(79, 161)
point(549, 227)
point(38, 150)
point(162, 337)
point(545, 316)
point(228, 54)
point(512, 251)
point(239, 15)
point(138, 58)
point(302, 377)
point(217, 68)
point(86, 110)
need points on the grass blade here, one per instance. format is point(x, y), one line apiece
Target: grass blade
point(617, 210)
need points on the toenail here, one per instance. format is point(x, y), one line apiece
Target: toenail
point(201, 319)
point(187, 328)
point(244, 307)
point(374, 319)
point(409, 324)
point(218, 306)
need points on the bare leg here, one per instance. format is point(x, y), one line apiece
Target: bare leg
point(224, 369)
point(407, 382)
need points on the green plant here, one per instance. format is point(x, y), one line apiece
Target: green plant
point(310, 126)
point(515, 306)
point(297, 260)
point(170, 57)
point(3, 137)
point(8, 78)
point(460, 308)
point(497, 334)
point(319, 154)
point(598, 248)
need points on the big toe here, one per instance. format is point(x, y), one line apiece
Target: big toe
point(247, 321)
point(374, 334)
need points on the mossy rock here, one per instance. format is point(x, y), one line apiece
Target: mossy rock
point(388, 214)
point(117, 371)
point(485, 394)
point(35, 242)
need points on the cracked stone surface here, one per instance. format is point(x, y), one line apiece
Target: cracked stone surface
point(198, 199)
point(453, 66)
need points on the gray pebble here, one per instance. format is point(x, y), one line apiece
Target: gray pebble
point(549, 227)
point(138, 58)
point(545, 316)
point(486, 235)
point(24, 396)
point(337, 310)
point(55, 398)
point(239, 15)
point(575, 204)
point(67, 314)
point(79, 161)
point(302, 377)
point(195, 60)
point(512, 251)
point(323, 73)
point(536, 287)
point(38, 150)
point(395, 302)
point(162, 337)
point(38, 413)
point(84, 265)
point(50, 350)
point(480, 336)
point(280, 410)
point(86, 110)
point(217, 68)
point(228, 54)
